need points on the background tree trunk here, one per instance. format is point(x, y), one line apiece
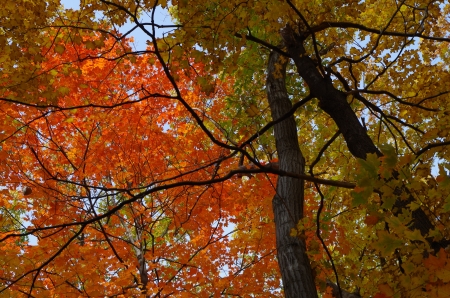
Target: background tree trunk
point(298, 280)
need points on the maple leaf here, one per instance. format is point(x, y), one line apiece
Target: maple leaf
point(387, 243)
point(371, 220)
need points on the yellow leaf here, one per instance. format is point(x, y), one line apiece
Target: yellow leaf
point(414, 206)
point(64, 90)
point(252, 111)
point(90, 45)
point(443, 274)
point(415, 236)
point(60, 49)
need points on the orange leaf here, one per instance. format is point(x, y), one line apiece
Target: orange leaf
point(371, 220)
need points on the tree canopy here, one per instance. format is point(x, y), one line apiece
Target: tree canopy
point(249, 149)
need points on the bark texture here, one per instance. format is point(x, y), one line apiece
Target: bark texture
point(294, 264)
point(331, 100)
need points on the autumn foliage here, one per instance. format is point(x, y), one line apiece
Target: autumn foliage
point(155, 171)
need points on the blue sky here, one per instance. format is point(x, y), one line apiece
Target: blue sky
point(162, 17)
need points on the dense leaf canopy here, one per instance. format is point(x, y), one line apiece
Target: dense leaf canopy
point(244, 136)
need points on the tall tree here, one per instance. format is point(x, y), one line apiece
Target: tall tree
point(262, 148)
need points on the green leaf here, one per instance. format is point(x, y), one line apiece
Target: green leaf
point(390, 156)
point(388, 201)
point(361, 195)
point(395, 223)
point(415, 236)
point(371, 164)
point(387, 243)
point(447, 204)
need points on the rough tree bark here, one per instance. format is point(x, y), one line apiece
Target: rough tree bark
point(298, 280)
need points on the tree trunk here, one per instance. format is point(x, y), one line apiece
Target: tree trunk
point(334, 103)
point(298, 280)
